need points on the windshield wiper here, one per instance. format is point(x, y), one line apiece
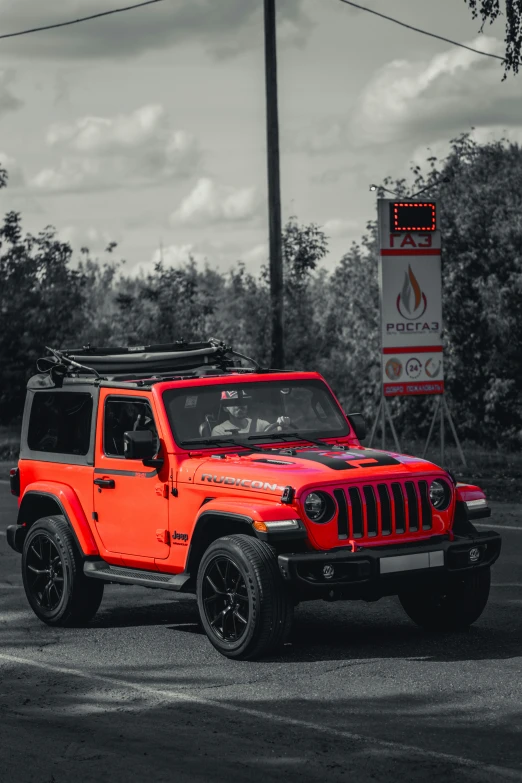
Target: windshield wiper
point(218, 442)
point(296, 436)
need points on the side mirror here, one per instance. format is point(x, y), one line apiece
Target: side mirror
point(358, 424)
point(140, 445)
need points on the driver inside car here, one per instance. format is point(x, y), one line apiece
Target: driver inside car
point(236, 405)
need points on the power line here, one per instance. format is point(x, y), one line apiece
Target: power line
point(424, 32)
point(82, 19)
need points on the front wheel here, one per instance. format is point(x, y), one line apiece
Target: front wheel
point(459, 604)
point(57, 589)
point(244, 605)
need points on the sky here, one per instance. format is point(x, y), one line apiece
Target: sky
point(147, 128)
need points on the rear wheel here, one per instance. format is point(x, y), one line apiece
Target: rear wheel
point(52, 570)
point(456, 606)
point(244, 605)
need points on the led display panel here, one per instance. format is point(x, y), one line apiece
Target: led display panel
point(412, 216)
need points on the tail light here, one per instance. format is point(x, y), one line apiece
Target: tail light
point(14, 480)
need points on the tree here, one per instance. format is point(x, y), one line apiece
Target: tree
point(41, 303)
point(490, 10)
point(304, 246)
point(347, 302)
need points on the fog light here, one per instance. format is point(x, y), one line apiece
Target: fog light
point(328, 571)
point(474, 555)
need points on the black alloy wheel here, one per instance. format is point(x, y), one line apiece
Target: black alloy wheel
point(245, 607)
point(44, 572)
point(225, 599)
point(58, 591)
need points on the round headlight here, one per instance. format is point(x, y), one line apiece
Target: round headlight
point(319, 506)
point(440, 495)
point(314, 505)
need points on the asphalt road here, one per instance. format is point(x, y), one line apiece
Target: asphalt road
point(359, 694)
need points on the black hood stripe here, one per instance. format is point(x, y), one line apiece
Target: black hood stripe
point(349, 460)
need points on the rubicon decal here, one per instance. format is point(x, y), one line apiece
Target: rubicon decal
point(238, 482)
point(411, 302)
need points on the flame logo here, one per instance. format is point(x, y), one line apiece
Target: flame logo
point(411, 302)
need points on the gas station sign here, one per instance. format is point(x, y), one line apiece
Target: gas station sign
point(411, 298)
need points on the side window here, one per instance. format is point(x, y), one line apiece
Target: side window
point(60, 422)
point(125, 415)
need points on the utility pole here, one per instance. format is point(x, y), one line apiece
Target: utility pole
point(274, 188)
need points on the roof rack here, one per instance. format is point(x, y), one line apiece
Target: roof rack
point(142, 364)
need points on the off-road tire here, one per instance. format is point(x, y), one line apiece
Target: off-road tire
point(262, 590)
point(74, 599)
point(455, 607)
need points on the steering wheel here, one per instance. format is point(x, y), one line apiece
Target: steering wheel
point(273, 427)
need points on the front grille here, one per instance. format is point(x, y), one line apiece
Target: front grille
point(395, 508)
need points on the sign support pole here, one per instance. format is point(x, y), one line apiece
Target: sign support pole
point(430, 432)
point(441, 406)
point(454, 433)
point(374, 426)
point(383, 413)
point(392, 426)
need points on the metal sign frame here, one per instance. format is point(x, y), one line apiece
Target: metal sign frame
point(410, 293)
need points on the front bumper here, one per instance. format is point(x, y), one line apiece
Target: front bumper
point(384, 570)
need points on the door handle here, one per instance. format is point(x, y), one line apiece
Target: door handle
point(105, 483)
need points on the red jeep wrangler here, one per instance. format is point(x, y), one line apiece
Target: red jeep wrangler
point(172, 467)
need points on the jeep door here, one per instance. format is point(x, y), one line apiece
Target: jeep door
point(130, 500)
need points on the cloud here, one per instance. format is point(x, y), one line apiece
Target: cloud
point(256, 256)
point(101, 153)
point(439, 97)
point(8, 101)
point(210, 202)
point(340, 227)
point(440, 148)
point(92, 238)
point(328, 136)
point(171, 256)
point(223, 26)
point(15, 175)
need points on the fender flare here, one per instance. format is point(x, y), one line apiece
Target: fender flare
point(239, 513)
point(199, 537)
point(464, 517)
point(70, 507)
point(252, 510)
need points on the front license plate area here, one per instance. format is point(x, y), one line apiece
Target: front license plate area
point(414, 562)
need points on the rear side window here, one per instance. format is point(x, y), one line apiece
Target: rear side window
point(60, 423)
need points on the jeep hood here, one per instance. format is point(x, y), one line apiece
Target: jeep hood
point(303, 467)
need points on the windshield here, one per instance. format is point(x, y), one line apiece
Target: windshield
point(208, 415)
